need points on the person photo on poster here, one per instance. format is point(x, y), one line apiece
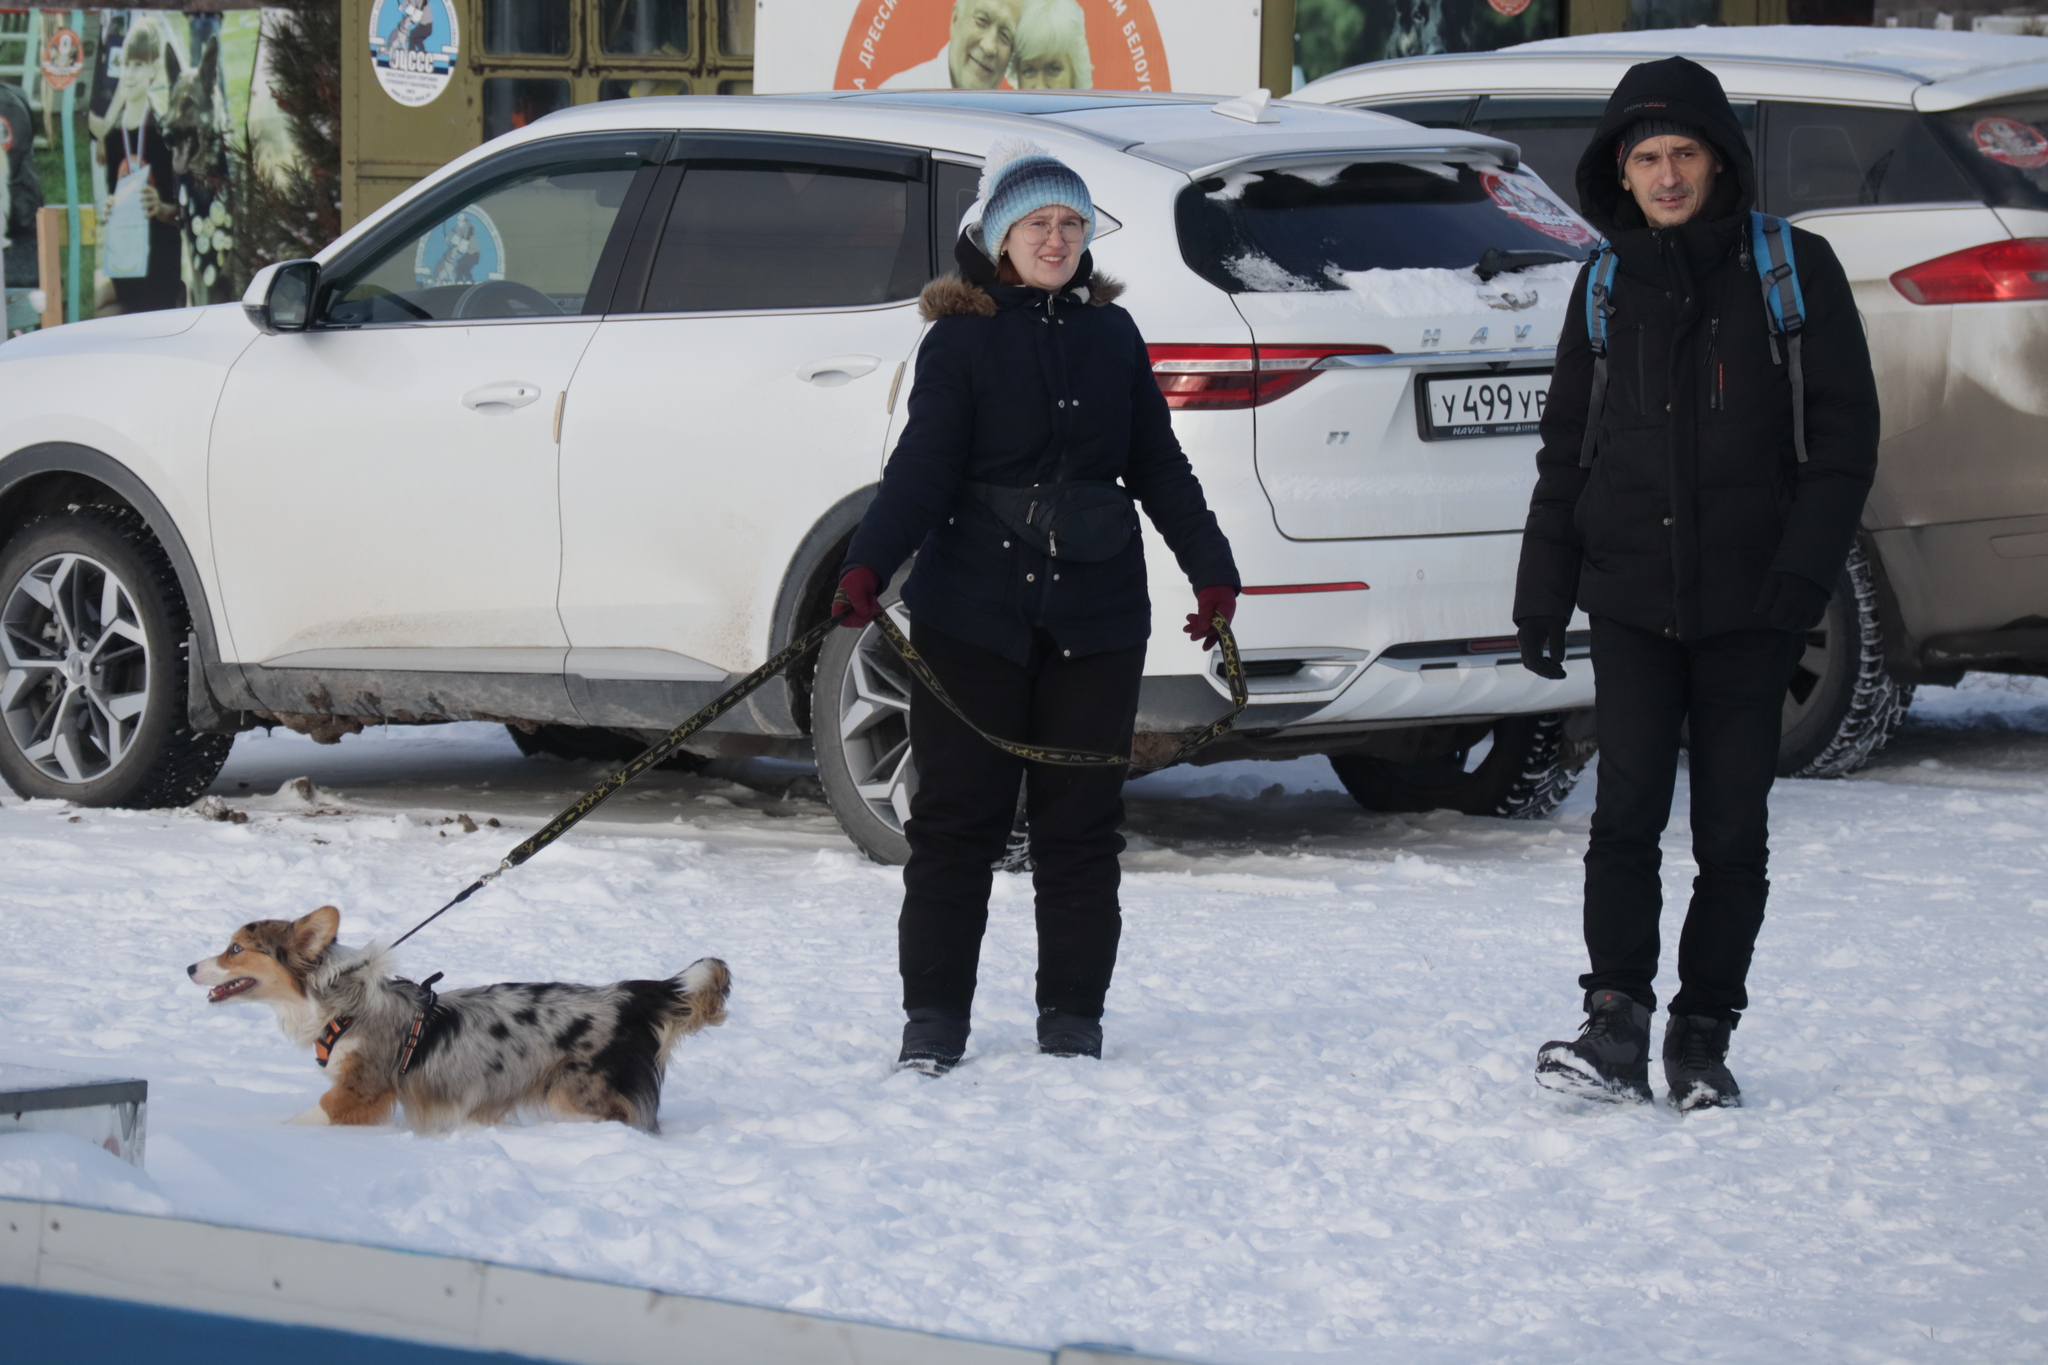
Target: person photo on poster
point(980, 43)
point(139, 248)
point(1052, 47)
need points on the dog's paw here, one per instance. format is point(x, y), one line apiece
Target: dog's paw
point(316, 1117)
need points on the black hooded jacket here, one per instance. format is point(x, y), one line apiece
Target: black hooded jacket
point(1016, 387)
point(1696, 492)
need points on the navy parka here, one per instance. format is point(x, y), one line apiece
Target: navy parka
point(1014, 387)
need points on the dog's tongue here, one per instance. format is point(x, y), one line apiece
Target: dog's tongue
point(228, 988)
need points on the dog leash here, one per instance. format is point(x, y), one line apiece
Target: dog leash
point(667, 745)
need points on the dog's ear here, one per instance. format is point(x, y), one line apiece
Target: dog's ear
point(312, 935)
point(209, 67)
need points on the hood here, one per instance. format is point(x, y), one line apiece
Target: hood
point(1680, 91)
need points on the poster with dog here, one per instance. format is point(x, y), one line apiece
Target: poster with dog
point(1200, 45)
point(159, 120)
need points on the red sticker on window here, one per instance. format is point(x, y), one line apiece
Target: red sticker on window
point(1524, 202)
point(2010, 141)
point(1509, 7)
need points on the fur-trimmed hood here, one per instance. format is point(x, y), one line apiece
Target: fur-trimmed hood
point(954, 296)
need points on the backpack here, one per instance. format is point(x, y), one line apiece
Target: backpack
point(1784, 310)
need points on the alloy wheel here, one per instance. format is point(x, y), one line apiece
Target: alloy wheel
point(874, 724)
point(74, 667)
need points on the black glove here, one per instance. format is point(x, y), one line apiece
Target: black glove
point(1542, 640)
point(1790, 602)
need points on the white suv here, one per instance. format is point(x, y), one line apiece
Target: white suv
point(575, 432)
point(1923, 158)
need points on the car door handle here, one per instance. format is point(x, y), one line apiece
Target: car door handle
point(498, 399)
point(838, 369)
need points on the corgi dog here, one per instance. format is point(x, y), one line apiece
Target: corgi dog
point(478, 1055)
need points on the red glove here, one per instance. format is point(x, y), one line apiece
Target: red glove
point(862, 591)
point(1209, 601)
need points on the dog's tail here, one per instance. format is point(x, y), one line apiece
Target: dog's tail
point(698, 1002)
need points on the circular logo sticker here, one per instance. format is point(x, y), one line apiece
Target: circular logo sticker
point(2010, 141)
point(1525, 202)
point(1003, 45)
point(462, 249)
point(1509, 7)
point(413, 46)
point(63, 58)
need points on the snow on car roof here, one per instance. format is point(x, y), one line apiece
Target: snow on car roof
point(1924, 54)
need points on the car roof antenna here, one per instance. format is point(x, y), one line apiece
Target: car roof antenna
point(1256, 107)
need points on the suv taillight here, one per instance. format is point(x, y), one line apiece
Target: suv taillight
point(1989, 273)
point(1239, 376)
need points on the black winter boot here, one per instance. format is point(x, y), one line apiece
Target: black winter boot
point(1609, 1060)
point(1068, 1035)
point(933, 1041)
point(1696, 1063)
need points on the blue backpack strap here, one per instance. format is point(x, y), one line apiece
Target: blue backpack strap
point(1777, 270)
point(1599, 310)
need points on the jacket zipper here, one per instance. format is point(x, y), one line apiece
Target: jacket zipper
point(1719, 399)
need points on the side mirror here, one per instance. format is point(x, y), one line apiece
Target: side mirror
point(280, 298)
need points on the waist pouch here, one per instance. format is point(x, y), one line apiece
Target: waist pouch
point(1083, 520)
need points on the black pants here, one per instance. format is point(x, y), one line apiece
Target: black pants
point(1729, 690)
point(966, 801)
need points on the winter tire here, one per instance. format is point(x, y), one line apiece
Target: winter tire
point(92, 667)
point(860, 724)
point(1841, 706)
point(1520, 770)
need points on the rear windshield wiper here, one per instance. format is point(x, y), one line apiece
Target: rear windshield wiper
point(1498, 262)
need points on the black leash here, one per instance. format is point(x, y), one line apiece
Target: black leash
point(667, 745)
point(1233, 672)
point(662, 749)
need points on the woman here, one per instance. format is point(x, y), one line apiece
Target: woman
point(1052, 47)
point(139, 248)
point(1030, 376)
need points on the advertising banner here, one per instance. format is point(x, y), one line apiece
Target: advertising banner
point(1207, 46)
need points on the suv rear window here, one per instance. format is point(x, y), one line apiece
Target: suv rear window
point(2005, 148)
point(1295, 230)
point(1822, 156)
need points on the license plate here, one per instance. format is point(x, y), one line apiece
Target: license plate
point(1452, 407)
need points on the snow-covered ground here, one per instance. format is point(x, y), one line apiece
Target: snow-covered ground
point(1313, 1131)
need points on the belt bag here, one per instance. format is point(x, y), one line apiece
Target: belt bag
point(1083, 520)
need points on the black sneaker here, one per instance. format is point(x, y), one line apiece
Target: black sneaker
point(1696, 1063)
point(933, 1041)
point(1068, 1035)
point(1609, 1060)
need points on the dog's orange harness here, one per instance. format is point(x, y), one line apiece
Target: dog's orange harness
point(323, 1046)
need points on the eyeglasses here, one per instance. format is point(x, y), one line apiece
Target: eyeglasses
point(1035, 233)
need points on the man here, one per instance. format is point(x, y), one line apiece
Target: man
point(1703, 542)
point(977, 52)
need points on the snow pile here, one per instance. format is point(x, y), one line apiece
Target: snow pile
point(60, 1166)
point(1314, 1129)
point(1263, 275)
point(1433, 293)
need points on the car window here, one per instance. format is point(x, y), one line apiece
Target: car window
point(953, 191)
point(2004, 148)
point(766, 232)
point(1303, 228)
point(1552, 134)
point(526, 243)
point(1430, 113)
point(1822, 156)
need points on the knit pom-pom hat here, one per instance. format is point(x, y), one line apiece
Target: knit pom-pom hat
point(1019, 178)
